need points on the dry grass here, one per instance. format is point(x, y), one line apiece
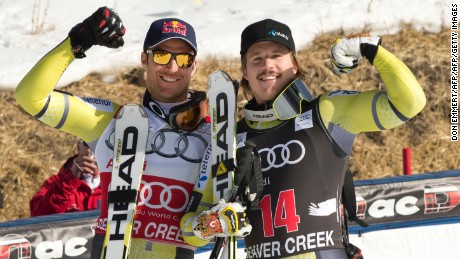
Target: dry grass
point(31, 151)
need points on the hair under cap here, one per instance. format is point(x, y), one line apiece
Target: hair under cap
point(170, 28)
point(266, 30)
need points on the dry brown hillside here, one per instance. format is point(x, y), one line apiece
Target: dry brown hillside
point(31, 151)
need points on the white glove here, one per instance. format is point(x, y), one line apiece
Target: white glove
point(222, 220)
point(347, 52)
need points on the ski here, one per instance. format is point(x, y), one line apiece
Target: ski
point(222, 102)
point(131, 134)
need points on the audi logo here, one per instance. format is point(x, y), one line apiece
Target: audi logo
point(285, 153)
point(163, 196)
point(187, 145)
point(110, 139)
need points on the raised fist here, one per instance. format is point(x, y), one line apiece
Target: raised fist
point(104, 27)
point(347, 52)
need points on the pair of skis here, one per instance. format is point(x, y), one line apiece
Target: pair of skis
point(131, 133)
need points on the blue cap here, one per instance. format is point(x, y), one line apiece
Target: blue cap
point(170, 28)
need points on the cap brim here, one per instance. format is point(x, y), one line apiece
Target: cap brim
point(242, 52)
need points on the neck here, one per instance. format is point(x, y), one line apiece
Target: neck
point(266, 115)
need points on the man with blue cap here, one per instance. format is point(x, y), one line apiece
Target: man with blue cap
point(178, 133)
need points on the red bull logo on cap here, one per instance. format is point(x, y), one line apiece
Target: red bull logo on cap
point(174, 27)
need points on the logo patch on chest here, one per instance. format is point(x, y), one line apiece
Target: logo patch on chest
point(304, 121)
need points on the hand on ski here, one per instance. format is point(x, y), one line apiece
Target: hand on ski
point(348, 51)
point(222, 220)
point(104, 27)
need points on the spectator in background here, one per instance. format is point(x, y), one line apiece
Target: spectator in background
point(74, 188)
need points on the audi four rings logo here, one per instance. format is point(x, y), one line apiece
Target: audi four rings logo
point(274, 161)
point(186, 145)
point(165, 195)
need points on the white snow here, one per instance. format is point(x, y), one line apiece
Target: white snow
point(218, 25)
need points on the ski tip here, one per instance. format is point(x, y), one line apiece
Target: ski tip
point(131, 109)
point(219, 75)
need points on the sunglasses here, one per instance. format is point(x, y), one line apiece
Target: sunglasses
point(163, 57)
point(288, 104)
point(189, 115)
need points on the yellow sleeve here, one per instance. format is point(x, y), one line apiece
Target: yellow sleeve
point(376, 110)
point(72, 114)
point(203, 191)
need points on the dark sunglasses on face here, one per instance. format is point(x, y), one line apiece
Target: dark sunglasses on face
point(163, 57)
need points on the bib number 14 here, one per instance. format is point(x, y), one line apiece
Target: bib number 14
point(285, 213)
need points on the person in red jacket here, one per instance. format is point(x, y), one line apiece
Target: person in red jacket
point(76, 187)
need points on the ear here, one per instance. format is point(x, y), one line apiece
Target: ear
point(295, 68)
point(245, 73)
point(144, 60)
point(194, 66)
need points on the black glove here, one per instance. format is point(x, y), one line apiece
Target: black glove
point(248, 175)
point(353, 251)
point(104, 27)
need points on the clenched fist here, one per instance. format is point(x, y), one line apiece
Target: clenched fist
point(104, 27)
point(347, 52)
